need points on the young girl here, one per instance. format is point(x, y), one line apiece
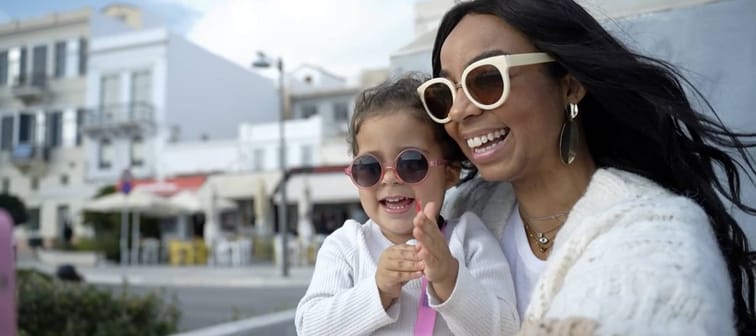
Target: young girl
point(406, 270)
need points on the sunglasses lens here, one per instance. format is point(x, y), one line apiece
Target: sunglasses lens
point(366, 171)
point(438, 98)
point(412, 166)
point(485, 84)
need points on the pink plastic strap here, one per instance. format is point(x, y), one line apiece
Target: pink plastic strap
point(426, 316)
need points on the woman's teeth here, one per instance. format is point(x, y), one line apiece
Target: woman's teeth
point(491, 138)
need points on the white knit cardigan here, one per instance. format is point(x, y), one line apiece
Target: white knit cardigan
point(632, 256)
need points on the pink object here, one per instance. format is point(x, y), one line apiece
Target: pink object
point(7, 277)
point(418, 207)
point(426, 316)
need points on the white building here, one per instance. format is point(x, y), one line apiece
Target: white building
point(148, 87)
point(218, 156)
point(309, 143)
point(43, 64)
point(86, 94)
point(309, 77)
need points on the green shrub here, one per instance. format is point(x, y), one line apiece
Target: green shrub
point(107, 243)
point(49, 306)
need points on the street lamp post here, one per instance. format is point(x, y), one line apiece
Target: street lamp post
point(263, 62)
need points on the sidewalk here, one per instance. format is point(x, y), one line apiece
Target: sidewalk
point(249, 276)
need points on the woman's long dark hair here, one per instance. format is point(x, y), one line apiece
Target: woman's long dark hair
point(637, 117)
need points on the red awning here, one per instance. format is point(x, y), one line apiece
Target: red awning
point(169, 186)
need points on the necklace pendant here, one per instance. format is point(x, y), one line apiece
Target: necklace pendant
point(542, 239)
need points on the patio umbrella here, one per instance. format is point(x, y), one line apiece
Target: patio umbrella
point(135, 201)
point(192, 202)
point(138, 202)
point(263, 223)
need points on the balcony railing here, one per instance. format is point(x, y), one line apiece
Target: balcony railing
point(30, 157)
point(115, 117)
point(30, 89)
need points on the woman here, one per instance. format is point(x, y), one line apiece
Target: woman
point(601, 181)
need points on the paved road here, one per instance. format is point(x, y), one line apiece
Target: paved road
point(207, 306)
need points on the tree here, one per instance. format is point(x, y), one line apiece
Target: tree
point(15, 207)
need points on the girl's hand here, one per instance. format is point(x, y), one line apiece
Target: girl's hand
point(397, 265)
point(439, 266)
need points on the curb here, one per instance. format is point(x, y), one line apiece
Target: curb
point(244, 326)
point(117, 279)
point(117, 276)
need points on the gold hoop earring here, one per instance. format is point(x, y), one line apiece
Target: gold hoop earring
point(568, 137)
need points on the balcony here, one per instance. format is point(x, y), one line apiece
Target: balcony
point(114, 119)
point(30, 158)
point(30, 89)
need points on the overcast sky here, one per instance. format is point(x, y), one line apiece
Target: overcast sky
point(343, 36)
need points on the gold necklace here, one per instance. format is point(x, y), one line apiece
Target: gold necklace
point(540, 238)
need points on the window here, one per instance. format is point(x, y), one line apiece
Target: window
point(259, 157)
point(306, 151)
point(141, 87)
point(82, 56)
point(16, 65)
point(141, 94)
point(32, 220)
point(105, 154)
point(64, 180)
point(60, 59)
point(309, 110)
point(27, 128)
point(39, 65)
point(110, 96)
point(340, 111)
point(137, 152)
point(6, 185)
point(110, 89)
point(6, 133)
point(54, 128)
point(72, 57)
point(4, 68)
point(34, 183)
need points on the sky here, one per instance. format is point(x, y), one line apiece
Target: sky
point(342, 36)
